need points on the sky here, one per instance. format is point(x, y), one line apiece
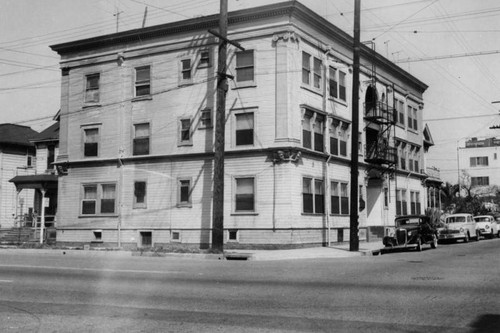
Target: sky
point(438, 41)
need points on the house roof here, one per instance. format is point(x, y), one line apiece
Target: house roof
point(51, 133)
point(42, 181)
point(16, 134)
point(428, 141)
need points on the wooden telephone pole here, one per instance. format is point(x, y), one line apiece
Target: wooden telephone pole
point(220, 122)
point(353, 227)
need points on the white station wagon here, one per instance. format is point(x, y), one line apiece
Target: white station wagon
point(487, 226)
point(459, 226)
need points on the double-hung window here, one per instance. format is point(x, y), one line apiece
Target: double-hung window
point(98, 199)
point(244, 197)
point(184, 192)
point(339, 133)
point(244, 133)
point(479, 161)
point(318, 132)
point(142, 81)
point(415, 202)
point(313, 196)
point(480, 181)
point(313, 130)
point(92, 88)
point(204, 59)
point(400, 112)
point(90, 142)
point(401, 203)
point(139, 194)
point(185, 133)
point(337, 83)
point(245, 67)
point(317, 73)
point(306, 68)
point(186, 71)
point(206, 118)
point(312, 73)
point(141, 139)
point(339, 198)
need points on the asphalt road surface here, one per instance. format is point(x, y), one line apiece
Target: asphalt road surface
point(455, 288)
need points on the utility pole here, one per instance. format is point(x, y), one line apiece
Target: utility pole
point(353, 226)
point(220, 120)
point(220, 127)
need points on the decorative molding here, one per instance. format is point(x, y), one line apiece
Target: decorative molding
point(286, 36)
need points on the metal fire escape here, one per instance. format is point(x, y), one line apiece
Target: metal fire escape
point(380, 121)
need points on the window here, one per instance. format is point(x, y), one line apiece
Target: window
point(306, 68)
point(141, 139)
point(139, 194)
point(244, 134)
point(479, 161)
point(402, 158)
point(98, 199)
point(232, 235)
point(244, 194)
point(339, 198)
point(401, 203)
point(186, 71)
point(30, 161)
point(339, 133)
point(51, 156)
point(92, 88)
point(313, 122)
point(146, 238)
point(386, 197)
point(308, 63)
point(400, 112)
point(337, 84)
point(204, 59)
point(142, 81)
point(206, 118)
point(244, 66)
point(480, 181)
point(412, 118)
point(185, 137)
point(415, 202)
point(184, 189)
point(313, 196)
point(90, 142)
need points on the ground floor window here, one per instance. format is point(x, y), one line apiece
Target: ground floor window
point(415, 203)
point(98, 199)
point(339, 198)
point(313, 196)
point(401, 202)
point(244, 197)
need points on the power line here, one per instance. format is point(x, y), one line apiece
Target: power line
point(448, 56)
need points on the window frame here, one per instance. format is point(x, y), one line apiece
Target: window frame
point(340, 90)
point(98, 201)
point(203, 64)
point(245, 83)
point(339, 192)
point(237, 114)
point(136, 204)
point(139, 138)
point(235, 209)
point(183, 71)
point(203, 119)
point(181, 130)
point(87, 89)
point(312, 69)
point(84, 129)
point(317, 208)
point(143, 83)
point(180, 186)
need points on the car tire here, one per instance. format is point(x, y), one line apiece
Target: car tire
point(434, 243)
point(419, 245)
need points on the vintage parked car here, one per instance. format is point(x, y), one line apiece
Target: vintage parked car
point(411, 231)
point(487, 226)
point(459, 226)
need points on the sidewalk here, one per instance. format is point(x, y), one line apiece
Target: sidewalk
point(335, 251)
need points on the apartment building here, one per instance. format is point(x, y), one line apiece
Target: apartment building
point(136, 134)
point(480, 159)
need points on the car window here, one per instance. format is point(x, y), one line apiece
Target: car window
point(408, 221)
point(482, 219)
point(455, 219)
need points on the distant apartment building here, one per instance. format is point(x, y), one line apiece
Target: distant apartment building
point(136, 136)
point(480, 159)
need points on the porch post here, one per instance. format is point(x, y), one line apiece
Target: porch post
point(18, 191)
point(42, 218)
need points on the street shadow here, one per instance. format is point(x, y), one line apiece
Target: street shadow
point(486, 323)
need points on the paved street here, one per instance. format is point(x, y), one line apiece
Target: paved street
point(455, 288)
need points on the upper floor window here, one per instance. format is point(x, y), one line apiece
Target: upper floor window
point(337, 84)
point(400, 111)
point(185, 137)
point(479, 161)
point(311, 70)
point(92, 88)
point(245, 68)
point(244, 133)
point(244, 197)
point(141, 139)
point(90, 142)
point(312, 130)
point(142, 81)
point(186, 71)
point(480, 181)
point(339, 133)
point(412, 118)
point(204, 59)
point(206, 118)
